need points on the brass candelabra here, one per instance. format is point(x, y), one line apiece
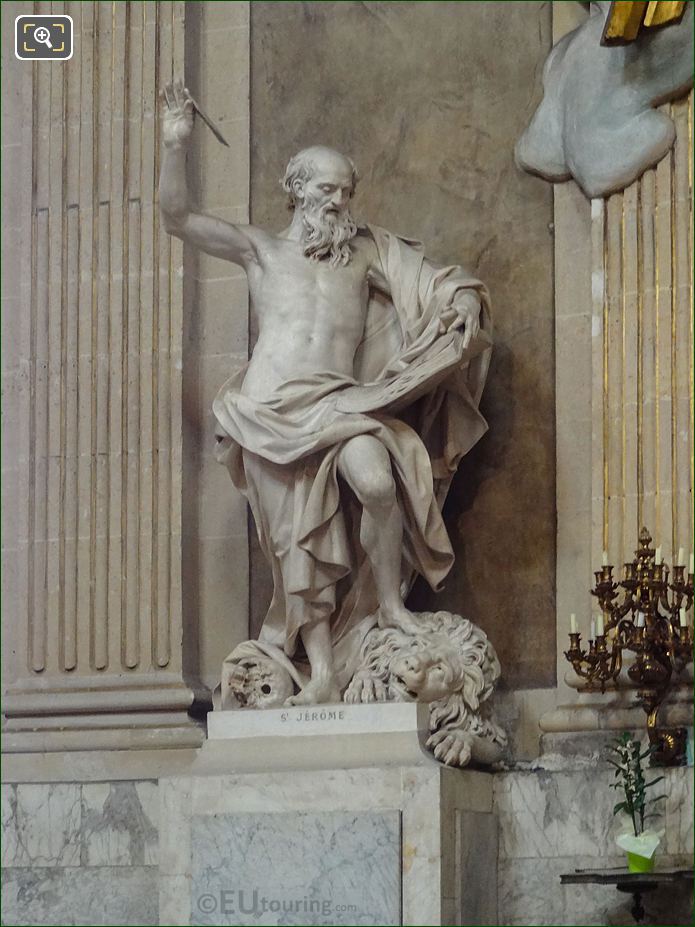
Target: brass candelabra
point(648, 617)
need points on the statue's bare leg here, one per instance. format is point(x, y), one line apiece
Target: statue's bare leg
point(366, 466)
point(323, 686)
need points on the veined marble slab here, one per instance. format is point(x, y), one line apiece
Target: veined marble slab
point(41, 825)
point(86, 896)
point(313, 868)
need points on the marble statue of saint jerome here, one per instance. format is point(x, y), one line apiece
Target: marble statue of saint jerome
point(347, 425)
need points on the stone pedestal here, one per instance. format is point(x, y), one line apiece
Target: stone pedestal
point(316, 737)
point(396, 839)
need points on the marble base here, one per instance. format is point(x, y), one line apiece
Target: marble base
point(379, 845)
point(317, 737)
point(80, 853)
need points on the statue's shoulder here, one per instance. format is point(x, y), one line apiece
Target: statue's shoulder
point(364, 237)
point(364, 243)
point(383, 237)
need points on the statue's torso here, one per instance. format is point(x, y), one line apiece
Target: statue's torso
point(310, 315)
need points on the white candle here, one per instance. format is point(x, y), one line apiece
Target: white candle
point(573, 623)
point(691, 563)
point(657, 555)
point(599, 625)
point(592, 634)
point(681, 555)
point(640, 619)
point(683, 619)
point(604, 560)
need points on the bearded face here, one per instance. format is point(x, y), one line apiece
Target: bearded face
point(320, 182)
point(328, 229)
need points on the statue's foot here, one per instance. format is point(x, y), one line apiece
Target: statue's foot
point(318, 691)
point(399, 618)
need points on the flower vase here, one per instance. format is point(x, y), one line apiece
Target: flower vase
point(637, 863)
point(641, 851)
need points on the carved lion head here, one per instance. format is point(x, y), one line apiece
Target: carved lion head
point(450, 661)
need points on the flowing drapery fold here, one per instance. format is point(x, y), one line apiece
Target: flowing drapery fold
point(417, 391)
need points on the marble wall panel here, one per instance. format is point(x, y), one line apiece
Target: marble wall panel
point(41, 825)
point(556, 822)
point(120, 824)
point(545, 814)
point(678, 812)
point(102, 824)
point(87, 897)
point(542, 814)
point(310, 868)
point(428, 98)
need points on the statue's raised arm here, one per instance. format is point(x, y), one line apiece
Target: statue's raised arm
point(221, 239)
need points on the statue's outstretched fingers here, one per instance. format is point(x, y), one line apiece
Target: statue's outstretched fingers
point(171, 97)
point(180, 96)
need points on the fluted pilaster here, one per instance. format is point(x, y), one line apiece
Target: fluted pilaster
point(94, 442)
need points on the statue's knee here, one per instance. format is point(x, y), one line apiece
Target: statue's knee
point(377, 488)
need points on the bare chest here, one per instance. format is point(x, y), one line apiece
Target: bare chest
point(293, 290)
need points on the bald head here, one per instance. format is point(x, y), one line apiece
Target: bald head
point(315, 162)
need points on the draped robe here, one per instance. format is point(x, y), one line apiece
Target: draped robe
point(417, 391)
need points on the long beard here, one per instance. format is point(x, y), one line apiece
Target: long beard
point(327, 234)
